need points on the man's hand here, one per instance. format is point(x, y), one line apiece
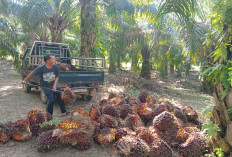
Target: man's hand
point(23, 82)
point(54, 89)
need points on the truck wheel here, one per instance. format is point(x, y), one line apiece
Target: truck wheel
point(43, 97)
point(88, 97)
point(26, 88)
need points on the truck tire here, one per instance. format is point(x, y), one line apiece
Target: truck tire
point(88, 97)
point(26, 88)
point(43, 97)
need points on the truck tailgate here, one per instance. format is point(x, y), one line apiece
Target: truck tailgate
point(81, 78)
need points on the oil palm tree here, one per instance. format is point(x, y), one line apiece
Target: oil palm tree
point(8, 35)
point(56, 15)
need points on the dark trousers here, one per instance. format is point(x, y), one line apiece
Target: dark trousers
point(50, 95)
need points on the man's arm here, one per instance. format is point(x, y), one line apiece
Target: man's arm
point(28, 76)
point(55, 83)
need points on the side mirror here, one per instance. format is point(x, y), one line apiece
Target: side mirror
point(21, 56)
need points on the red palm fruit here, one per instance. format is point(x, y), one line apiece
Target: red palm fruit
point(163, 121)
point(133, 101)
point(124, 110)
point(68, 95)
point(190, 148)
point(110, 110)
point(132, 146)
point(120, 133)
point(132, 121)
point(116, 101)
point(160, 148)
point(159, 109)
point(63, 66)
point(126, 97)
point(94, 113)
point(96, 127)
point(143, 96)
point(135, 108)
point(108, 121)
point(169, 106)
point(4, 134)
point(145, 113)
point(36, 118)
point(47, 141)
point(106, 136)
point(78, 111)
point(146, 134)
point(190, 113)
point(20, 130)
point(112, 95)
point(103, 102)
point(180, 114)
point(150, 101)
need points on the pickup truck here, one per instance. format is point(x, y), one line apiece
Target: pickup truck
point(85, 80)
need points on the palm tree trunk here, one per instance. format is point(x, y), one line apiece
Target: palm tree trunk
point(88, 34)
point(172, 70)
point(146, 66)
point(223, 139)
point(112, 67)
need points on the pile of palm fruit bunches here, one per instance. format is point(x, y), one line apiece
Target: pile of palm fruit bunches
point(139, 127)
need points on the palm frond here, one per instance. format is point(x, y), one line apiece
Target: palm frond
point(70, 8)
point(4, 5)
point(115, 7)
point(193, 37)
point(34, 12)
point(184, 9)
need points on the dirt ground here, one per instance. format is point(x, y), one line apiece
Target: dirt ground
point(15, 104)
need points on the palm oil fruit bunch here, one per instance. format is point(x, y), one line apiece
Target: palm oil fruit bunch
point(110, 110)
point(106, 136)
point(108, 121)
point(150, 101)
point(95, 112)
point(163, 121)
point(20, 130)
point(131, 146)
point(78, 111)
point(36, 118)
point(116, 101)
point(190, 113)
point(181, 115)
point(124, 110)
point(146, 134)
point(47, 141)
point(4, 134)
point(146, 113)
point(132, 121)
point(160, 148)
point(190, 148)
point(76, 131)
point(68, 95)
point(143, 96)
point(169, 129)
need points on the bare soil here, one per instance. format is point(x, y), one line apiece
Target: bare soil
point(15, 104)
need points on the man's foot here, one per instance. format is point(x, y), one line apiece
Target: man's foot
point(66, 113)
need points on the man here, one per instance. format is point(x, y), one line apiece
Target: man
point(49, 73)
